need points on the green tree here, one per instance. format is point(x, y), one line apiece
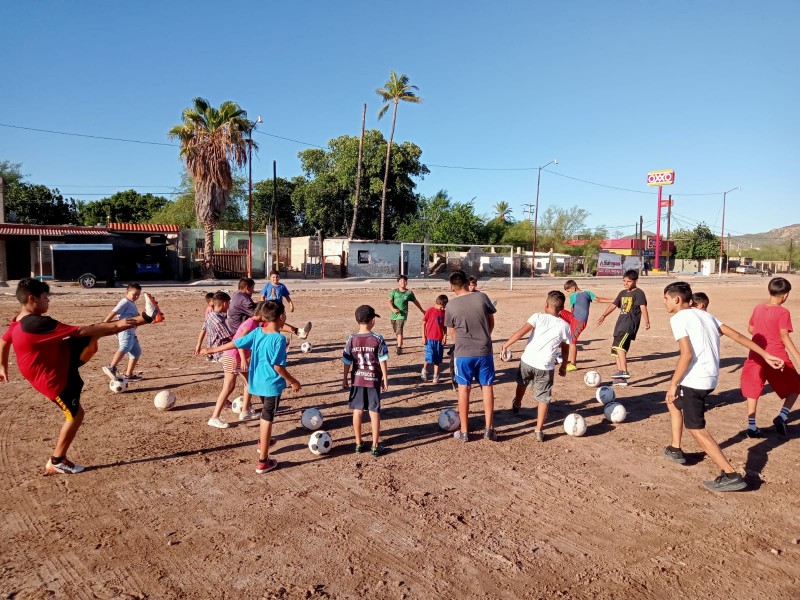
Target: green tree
point(123, 207)
point(38, 204)
point(697, 243)
point(502, 211)
point(213, 144)
point(394, 91)
point(265, 212)
point(181, 210)
point(558, 225)
point(519, 234)
point(444, 221)
point(11, 172)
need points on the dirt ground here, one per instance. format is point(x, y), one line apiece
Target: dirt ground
point(171, 508)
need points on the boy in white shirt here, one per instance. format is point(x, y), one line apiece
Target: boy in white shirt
point(698, 335)
point(537, 364)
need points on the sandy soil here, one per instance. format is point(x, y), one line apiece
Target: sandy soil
point(171, 508)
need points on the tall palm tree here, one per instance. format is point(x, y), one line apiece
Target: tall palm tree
point(502, 211)
point(212, 141)
point(394, 90)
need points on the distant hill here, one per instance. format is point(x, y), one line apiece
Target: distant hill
point(773, 237)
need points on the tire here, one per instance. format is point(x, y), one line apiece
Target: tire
point(87, 280)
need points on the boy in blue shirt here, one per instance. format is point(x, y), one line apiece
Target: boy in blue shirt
point(275, 290)
point(128, 342)
point(577, 316)
point(268, 373)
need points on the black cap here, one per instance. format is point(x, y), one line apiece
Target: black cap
point(365, 313)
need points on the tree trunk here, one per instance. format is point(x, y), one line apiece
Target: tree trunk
point(386, 173)
point(358, 173)
point(208, 255)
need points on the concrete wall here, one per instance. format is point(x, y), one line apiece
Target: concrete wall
point(381, 259)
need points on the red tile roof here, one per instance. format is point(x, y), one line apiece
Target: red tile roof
point(49, 230)
point(144, 228)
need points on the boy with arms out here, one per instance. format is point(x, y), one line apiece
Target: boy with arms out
point(434, 335)
point(268, 373)
point(275, 290)
point(696, 374)
point(770, 325)
point(632, 305)
point(369, 353)
point(398, 304)
point(536, 366)
point(50, 353)
point(128, 342)
point(577, 316)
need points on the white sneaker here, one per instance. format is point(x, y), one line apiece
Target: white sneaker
point(249, 415)
point(218, 423)
point(303, 333)
point(423, 375)
point(435, 379)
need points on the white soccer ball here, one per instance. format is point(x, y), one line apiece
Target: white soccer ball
point(305, 347)
point(118, 386)
point(605, 394)
point(574, 425)
point(320, 442)
point(449, 420)
point(592, 378)
point(236, 405)
point(164, 400)
point(615, 412)
point(311, 419)
point(505, 355)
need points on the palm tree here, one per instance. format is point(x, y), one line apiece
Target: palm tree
point(211, 141)
point(502, 210)
point(394, 90)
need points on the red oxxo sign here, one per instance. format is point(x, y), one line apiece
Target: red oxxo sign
point(659, 178)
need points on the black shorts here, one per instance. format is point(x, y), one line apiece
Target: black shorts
point(81, 349)
point(365, 398)
point(693, 404)
point(621, 343)
point(269, 408)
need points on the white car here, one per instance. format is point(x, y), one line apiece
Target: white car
point(747, 270)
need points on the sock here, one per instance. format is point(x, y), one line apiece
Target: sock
point(57, 460)
point(751, 423)
point(784, 414)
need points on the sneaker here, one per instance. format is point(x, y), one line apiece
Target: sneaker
point(461, 435)
point(399, 350)
point(378, 450)
point(780, 425)
point(490, 434)
point(303, 332)
point(754, 433)
point(539, 436)
point(620, 375)
point(218, 423)
point(359, 448)
point(265, 466)
point(515, 406)
point(571, 367)
point(134, 377)
point(435, 379)
point(625, 374)
point(675, 454)
point(249, 415)
point(726, 482)
point(110, 372)
point(152, 314)
point(423, 375)
point(65, 467)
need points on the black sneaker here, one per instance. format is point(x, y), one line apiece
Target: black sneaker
point(378, 450)
point(754, 433)
point(399, 350)
point(675, 454)
point(515, 406)
point(359, 448)
point(726, 482)
point(780, 425)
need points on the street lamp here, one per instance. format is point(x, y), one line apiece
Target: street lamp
point(250, 198)
point(536, 215)
point(722, 237)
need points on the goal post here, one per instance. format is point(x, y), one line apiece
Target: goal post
point(473, 259)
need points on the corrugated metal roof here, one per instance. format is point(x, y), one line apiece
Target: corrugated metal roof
point(49, 230)
point(144, 227)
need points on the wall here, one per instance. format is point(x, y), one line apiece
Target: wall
point(383, 259)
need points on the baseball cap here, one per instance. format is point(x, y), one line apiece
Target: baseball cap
point(365, 313)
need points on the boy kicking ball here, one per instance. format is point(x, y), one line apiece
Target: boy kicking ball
point(50, 353)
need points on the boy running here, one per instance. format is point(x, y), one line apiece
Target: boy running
point(577, 316)
point(275, 290)
point(369, 353)
point(537, 364)
point(398, 304)
point(696, 374)
point(50, 353)
point(770, 325)
point(128, 342)
point(632, 304)
point(434, 335)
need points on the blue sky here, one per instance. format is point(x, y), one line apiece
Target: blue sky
point(611, 89)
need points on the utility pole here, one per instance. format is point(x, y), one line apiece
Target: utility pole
point(641, 250)
point(728, 265)
point(358, 171)
point(275, 209)
point(3, 268)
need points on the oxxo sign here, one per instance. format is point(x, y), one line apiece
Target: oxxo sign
point(661, 177)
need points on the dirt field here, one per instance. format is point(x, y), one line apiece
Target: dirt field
point(171, 508)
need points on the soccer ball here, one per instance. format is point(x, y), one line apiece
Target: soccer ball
point(311, 419)
point(592, 378)
point(164, 400)
point(574, 425)
point(118, 386)
point(236, 405)
point(449, 420)
point(605, 394)
point(615, 412)
point(320, 442)
point(505, 355)
point(305, 347)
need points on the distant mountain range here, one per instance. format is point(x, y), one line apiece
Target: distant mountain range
point(773, 237)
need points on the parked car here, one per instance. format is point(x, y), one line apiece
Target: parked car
point(747, 270)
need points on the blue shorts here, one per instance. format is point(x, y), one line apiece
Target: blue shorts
point(434, 352)
point(474, 368)
point(129, 343)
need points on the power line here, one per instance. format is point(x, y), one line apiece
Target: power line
point(85, 135)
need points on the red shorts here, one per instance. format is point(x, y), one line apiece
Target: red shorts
point(575, 326)
point(755, 373)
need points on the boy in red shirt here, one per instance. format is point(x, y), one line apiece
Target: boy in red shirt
point(50, 353)
point(770, 326)
point(434, 336)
